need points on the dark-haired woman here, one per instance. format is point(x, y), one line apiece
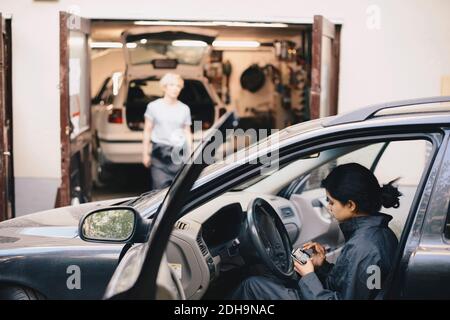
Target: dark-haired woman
point(354, 199)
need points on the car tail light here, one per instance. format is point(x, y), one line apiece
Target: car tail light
point(115, 116)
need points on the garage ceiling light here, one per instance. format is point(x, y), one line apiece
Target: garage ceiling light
point(212, 24)
point(174, 23)
point(236, 44)
point(105, 45)
point(111, 45)
point(189, 43)
point(251, 24)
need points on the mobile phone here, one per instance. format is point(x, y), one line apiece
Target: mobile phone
point(301, 256)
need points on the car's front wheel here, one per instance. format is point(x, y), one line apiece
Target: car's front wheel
point(19, 293)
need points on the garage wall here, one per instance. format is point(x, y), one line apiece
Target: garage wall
point(103, 65)
point(241, 60)
point(390, 50)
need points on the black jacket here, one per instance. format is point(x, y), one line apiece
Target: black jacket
point(367, 254)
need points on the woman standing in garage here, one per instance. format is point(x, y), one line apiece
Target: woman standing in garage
point(167, 131)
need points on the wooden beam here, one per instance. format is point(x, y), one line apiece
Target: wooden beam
point(316, 67)
point(3, 155)
point(63, 196)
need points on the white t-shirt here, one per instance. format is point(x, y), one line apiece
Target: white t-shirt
point(169, 121)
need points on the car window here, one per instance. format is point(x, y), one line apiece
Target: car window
point(447, 224)
point(240, 155)
point(402, 160)
point(364, 156)
point(405, 160)
point(109, 89)
point(101, 92)
point(107, 96)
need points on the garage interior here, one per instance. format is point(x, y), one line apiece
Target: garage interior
point(275, 57)
point(282, 51)
point(272, 75)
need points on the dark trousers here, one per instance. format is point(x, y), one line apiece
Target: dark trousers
point(163, 169)
point(266, 288)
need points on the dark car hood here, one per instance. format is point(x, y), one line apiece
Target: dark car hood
point(55, 227)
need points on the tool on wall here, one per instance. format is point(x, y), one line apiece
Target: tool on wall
point(285, 50)
point(253, 78)
point(226, 70)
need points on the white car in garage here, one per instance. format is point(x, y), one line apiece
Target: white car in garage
point(150, 52)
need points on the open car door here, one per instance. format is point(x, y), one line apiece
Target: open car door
point(136, 275)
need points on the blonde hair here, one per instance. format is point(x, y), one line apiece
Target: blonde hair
point(170, 78)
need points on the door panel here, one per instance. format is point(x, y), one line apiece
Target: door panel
point(427, 260)
point(325, 68)
point(75, 103)
point(6, 162)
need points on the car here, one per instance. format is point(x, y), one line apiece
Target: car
point(199, 238)
point(118, 108)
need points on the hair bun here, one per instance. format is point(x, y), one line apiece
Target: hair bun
point(390, 195)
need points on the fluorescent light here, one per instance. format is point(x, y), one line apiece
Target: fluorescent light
point(189, 43)
point(211, 24)
point(241, 44)
point(111, 45)
point(174, 23)
point(105, 45)
point(250, 24)
point(143, 41)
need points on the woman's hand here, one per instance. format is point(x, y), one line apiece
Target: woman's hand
point(146, 160)
point(318, 256)
point(304, 269)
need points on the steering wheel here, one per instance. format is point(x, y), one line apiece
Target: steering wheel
point(267, 234)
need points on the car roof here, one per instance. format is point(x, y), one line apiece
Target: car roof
point(419, 106)
point(418, 112)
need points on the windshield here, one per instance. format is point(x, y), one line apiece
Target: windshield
point(148, 204)
point(277, 136)
point(144, 51)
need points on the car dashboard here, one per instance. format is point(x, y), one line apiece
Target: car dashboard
point(204, 243)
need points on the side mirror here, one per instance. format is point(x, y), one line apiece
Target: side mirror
point(114, 225)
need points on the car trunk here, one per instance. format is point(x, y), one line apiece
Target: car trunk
point(147, 50)
point(143, 91)
point(157, 50)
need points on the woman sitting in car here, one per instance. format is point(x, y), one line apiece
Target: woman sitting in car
point(354, 198)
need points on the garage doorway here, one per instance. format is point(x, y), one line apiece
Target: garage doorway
point(6, 162)
point(301, 66)
point(289, 49)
